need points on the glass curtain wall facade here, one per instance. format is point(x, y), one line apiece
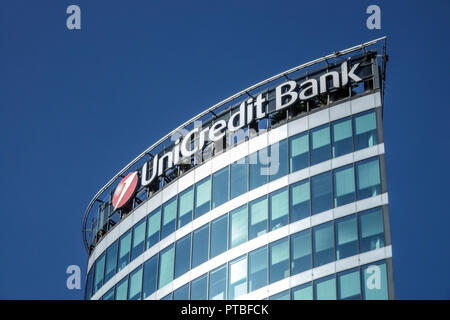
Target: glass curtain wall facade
point(301, 215)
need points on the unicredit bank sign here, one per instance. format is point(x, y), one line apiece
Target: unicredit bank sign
point(249, 110)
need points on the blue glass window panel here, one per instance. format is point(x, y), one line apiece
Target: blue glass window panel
point(89, 282)
point(199, 288)
point(124, 250)
point(238, 178)
point(303, 292)
point(365, 130)
point(279, 208)
point(200, 246)
point(122, 289)
point(259, 168)
point(220, 187)
point(219, 236)
point(111, 261)
point(257, 269)
point(258, 217)
point(371, 230)
point(278, 165)
point(168, 297)
point(300, 200)
point(182, 256)
point(138, 244)
point(202, 197)
point(166, 266)
point(169, 214)
point(346, 237)
point(299, 152)
point(320, 144)
point(237, 278)
point(153, 228)
point(325, 288)
point(323, 244)
point(109, 295)
point(279, 260)
point(321, 193)
point(285, 295)
point(185, 207)
point(218, 283)
point(238, 226)
point(368, 178)
point(99, 272)
point(181, 293)
point(341, 132)
point(150, 276)
point(374, 281)
point(344, 185)
point(349, 285)
point(135, 284)
point(301, 257)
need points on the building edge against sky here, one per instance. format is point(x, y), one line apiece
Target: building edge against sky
point(277, 192)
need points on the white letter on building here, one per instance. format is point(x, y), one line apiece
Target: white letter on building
point(279, 96)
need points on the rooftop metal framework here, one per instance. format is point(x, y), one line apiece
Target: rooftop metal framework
point(217, 109)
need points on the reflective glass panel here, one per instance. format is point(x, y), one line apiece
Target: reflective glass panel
point(238, 178)
point(342, 137)
point(300, 200)
point(346, 237)
point(279, 208)
point(220, 187)
point(218, 283)
point(199, 288)
point(202, 197)
point(259, 167)
point(238, 226)
point(323, 244)
point(150, 276)
point(169, 214)
point(320, 144)
point(301, 258)
point(219, 238)
point(111, 261)
point(153, 226)
point(258, 217)
point(124, 250)
point(349, 285)
point(137, 247)
point(278, 165)
point(371, 230)
point(344, 185)
point(185, 206)
point(183, 256)
point(257, 269)
point(279, 260)
point(135, 284)
point(299, 152)
point(365, 130)
point(166, 262)
point(368, 178)
point(237, 278)
point(325, 288)
point(200, 246)
point(321, 199)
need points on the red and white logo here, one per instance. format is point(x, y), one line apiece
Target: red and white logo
point(125, 190)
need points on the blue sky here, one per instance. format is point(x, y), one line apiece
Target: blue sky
point(77, 106)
